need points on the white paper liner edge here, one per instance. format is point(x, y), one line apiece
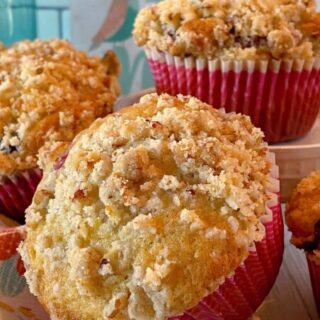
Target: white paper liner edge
point(235, 65)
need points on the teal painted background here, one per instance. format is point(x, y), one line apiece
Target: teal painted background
point(20, 19)
point(53, 19)
point(100, 25)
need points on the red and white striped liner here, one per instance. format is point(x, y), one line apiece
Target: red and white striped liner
point(314, 270)
point(242, 293)
point(16, 193)
point(281, 97)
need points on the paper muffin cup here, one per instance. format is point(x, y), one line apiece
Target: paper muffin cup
point(281, 97)
point(314, 271)
point(16, 193)
point(240, 295)
point(16, 302)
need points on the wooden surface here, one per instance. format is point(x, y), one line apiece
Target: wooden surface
point(291, 297)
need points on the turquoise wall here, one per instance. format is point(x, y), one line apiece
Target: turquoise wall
point(53, 19)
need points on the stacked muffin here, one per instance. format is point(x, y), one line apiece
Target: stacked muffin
point(259, 58)
point(48, 93)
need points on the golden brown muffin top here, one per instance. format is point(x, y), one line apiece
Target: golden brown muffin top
point(49, 92)
point(147, 212)
point(231, 29)
point(303, 213)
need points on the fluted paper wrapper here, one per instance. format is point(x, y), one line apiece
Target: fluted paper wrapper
point(314, 270)
point(281, 97)
point(16, 193)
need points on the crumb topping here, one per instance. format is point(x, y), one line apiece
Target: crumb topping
point(49, 92)
point(231, 29)
point(151, 208)
point(303, 213)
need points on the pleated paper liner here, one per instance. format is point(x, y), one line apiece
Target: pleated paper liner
point(281, 97)
point(241, 294)
point(314, 271)
point(16, 193)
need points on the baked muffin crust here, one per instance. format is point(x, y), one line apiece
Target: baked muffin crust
point(49, 92)
point(303, 213)
point(147, 212)
point(231, 29)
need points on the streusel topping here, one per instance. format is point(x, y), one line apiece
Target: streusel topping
point(231, 29)
point(303, 214)
point(49, 92)
point(147, 211)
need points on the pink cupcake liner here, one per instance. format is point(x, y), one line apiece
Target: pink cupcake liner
point(16, 193)
point(281, 97)
point(314, 270)
point(241, 294)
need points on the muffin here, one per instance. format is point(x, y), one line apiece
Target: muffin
point(259, 58)
point(48, 92)
point(303, 219)
point(150, 210)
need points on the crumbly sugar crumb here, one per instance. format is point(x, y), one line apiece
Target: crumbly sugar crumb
point(231, 29)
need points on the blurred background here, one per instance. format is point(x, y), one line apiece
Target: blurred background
point(91, 25)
